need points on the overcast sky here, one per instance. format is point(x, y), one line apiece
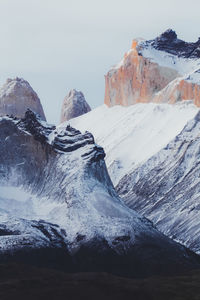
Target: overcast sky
point(58, 45)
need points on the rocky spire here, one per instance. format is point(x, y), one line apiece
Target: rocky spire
point(74, 105)
point(169, 42)
point(168, 35)
point(16, 96)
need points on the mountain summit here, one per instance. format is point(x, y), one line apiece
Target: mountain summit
point(169, 42)
point(16, 96)
point(74, 105)
point(163, 70)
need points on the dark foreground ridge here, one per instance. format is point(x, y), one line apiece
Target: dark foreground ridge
point(20, 282)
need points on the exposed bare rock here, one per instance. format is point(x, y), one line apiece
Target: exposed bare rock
point(178, 90)
point(165, 69)
point(16, 96)
point(74, 105)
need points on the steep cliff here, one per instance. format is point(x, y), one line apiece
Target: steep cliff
point(58, 206)
point(165, 69)
point(16, 96)
point(74, 105)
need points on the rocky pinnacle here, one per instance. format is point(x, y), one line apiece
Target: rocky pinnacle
point(74, 105)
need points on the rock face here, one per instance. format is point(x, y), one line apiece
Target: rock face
point(16, 96)
point(74, 105)
point(58, 207)
point(165, 69)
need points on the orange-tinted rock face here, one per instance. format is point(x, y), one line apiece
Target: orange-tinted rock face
point(179, 90)
point(189, 90)
point(139, 79)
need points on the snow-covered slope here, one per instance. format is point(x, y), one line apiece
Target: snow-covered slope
point(131, 135)
point(55, 193)
point(166, 188)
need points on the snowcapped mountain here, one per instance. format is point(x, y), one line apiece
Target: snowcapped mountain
point(152, 146)
point(166, 188)
point(131, 135)
point(74, 105)
point(58, 204)
point(163, 70)
point(16, 96)
point(152, 154)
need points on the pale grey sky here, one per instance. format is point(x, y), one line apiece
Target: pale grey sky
point(58, 45)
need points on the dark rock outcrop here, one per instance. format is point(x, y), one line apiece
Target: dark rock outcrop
point(169, 42)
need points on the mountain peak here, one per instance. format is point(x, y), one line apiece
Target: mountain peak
point(167, 35)
point(169, 42)
point(16, 96)
point(15, 83)
point(76, 95)
point(161, 70)
point(74, 105)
